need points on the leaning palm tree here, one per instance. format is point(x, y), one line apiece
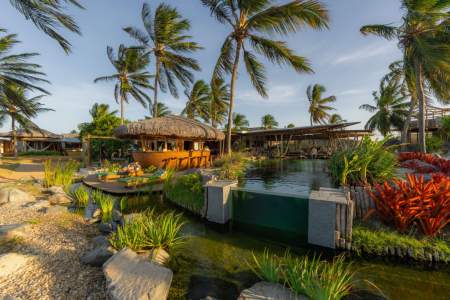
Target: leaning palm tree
point(335, 119)
point(161, 110)
point(198, 102)
point(218, 106)
point(48, 16)
point(390, 108)
point(318, 106)
point(240, 122)
point(130, 76)
point(424, 40)
point(249, 20)
point(15, 104)
point(268, 122)
point(165, 38)
point(15, 68)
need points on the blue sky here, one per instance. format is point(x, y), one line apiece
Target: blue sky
point(348, 64)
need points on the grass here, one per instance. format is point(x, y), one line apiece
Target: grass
point(232, 167)
point(148, 231)
point(59, 173)
point(80, 196)
point(267, 267)
point(186, 191)
point(378, 242)
point(106, 204)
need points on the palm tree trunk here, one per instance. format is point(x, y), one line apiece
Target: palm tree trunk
point(155, 91)
point(405, 129)
point(122, 107)
point(422, 104)
point(232, 88)
point(14, 135)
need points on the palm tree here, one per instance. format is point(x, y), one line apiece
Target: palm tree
point(161, 110)
point(165, 37)
point(130, 77)
point(423, 38)
point(290, 125)
point(15, 104)
point(49, 16)
point(15, 69)
point(220, 95)
point(318, 106)
point(390, 109)
point(268, 122)
point(336, 119)
point(240, 121)
point(103, 121)
point(198, 102)
point(249, 19)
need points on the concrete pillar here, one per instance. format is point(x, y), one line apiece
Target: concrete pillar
point(218, 200)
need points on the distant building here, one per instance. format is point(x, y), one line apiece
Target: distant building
point(433, 123)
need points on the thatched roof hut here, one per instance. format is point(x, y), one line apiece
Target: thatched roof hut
point(175, 127)
point(32, 133)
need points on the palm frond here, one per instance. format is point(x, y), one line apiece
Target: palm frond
point(257, 73)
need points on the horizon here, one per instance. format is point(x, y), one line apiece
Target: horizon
point(348, 64)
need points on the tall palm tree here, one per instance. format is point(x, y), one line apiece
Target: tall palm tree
point(48, 16)
point(240, 122)
point(335, 119)
point(130, 77)
point(390, 109)
point(424, 40)
point(15, 68)
point(161, 110)
point(15, 104)
point(165, 38)
point(249, 20)
point(198, 102)
point(220, 95)
point(268, 122)
point(290, 125)
point(318, 106)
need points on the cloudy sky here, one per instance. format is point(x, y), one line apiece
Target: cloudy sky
point(348, 64)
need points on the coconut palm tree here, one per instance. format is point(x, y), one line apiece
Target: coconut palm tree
point(161, 110)
point(424, 40)
point(15, 104)
point(268, 122)
point(15, 68)
point(249, 21)
point(290, 125)
point(336, 119)
point(220, 95)
point(103, 123)
point(390, 107)
point(318, 106)
point(130, 76)
point(240, 122)
point(198, 102)
point(49, 17)
point(165, 37)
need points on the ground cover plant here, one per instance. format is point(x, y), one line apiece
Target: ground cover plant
point(409, 160)
point(185, 190)
point(367, 163)
point(80, 196)
point(59, 173)
point(417, 202)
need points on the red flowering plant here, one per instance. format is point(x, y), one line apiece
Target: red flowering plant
point(435, 164)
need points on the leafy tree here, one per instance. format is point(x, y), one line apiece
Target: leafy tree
point(15, 104)
point(218, 107)
point(290, 125)
point(268, 122)
point(161, 110)
point(49, 16)
point(166, 38)
point(390, 109)
point(318, 106)
point(248, 20)
point(240, 122)
point(424, 40)
point(130, 77)
point(103, 121)
point(335, 119)
point(198, 102)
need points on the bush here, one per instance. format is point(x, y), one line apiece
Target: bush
point(40, 153)
point(59, 173)
point(232, 167)
point(369, 162)
point(434, 143)
point(186, 191)
point(80, 196)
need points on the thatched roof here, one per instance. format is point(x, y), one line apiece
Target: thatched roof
point(33, 132)
point(169, 127)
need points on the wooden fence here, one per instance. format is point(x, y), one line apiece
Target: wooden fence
point(363, 202)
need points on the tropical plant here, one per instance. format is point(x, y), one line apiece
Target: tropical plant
point(290, 125)
point(267, 267)
point(240, 122)
point(15, 104)
point(103, 121)
point(390, 109)
point(441, 165)
point(166, 38)
point(423, 39)
point(161, 110)
point(130, 76)
point(186, 191)
point(80, 196)
point(367, 163)
point(335, 119)
point(445, 127)
point(248, 21)
point(318, 106)
point(219, 102)
point(199, 99)
point(232, 167)
point(434, 143)
point(59, 173)
point(268, 122)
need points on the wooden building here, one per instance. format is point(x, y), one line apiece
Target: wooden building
point(433, 123)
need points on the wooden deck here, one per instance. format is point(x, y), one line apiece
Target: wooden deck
point(117, 188)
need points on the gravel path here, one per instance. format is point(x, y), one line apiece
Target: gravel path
point(56, 239)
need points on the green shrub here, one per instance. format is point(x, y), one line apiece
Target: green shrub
point(40, 153)
point(445, 127)
point(367, 163)
point(434, 143)
point(232, 167)
point(80, 196)
point(267, 267)
point(186, 191)
point(59, 173)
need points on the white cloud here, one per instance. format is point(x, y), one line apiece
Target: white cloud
point(352, 92)
point(277, 94)
point(365, 53)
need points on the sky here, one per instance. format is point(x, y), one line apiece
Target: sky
point(347, 63)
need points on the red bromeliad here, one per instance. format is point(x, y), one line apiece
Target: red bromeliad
point(442, 164)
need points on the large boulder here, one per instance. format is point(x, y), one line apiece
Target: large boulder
point(97, 256)
point(15, 196)
point(128, 277)
point(12, 262)
point(59, 199)
point(269, 291)
point(56, 190)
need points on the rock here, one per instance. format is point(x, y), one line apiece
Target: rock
point(8, 297)
point(267, 291)
point(116, 215)
point(97, 213)
point(105, 228)
point(15, 196)
point(94, 220)
point(98, 256)
point(130, 277)
point(12, 262)
point(14, 230)
point(159, 256)
point(100, 241)
point(58, 199)
point(89, 211)
point(54, 190)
